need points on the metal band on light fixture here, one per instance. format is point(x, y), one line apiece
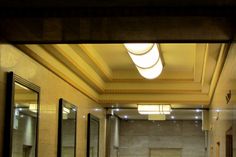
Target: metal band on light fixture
point(153, 72)
point(147, 61)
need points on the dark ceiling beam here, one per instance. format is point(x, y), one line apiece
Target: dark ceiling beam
point(116, 3)
point(117, 11)
point(88, 21)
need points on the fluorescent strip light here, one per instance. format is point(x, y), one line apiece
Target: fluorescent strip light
point(154, 109)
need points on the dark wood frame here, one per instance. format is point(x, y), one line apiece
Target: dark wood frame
point(92, 117)
point(60, 116)
point(229, 142)
point(11, 79)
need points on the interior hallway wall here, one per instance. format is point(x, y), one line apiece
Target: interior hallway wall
point(137, 137)
point(222, 113)
point(114, 136)
point(52, 88)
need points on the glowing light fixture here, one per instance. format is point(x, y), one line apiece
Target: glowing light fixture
point(33, 107)
point(22, 86)
point(146, 58)
point(197, 110)
point(66, 110)
point(138, 48)
point(153, 72)
point(154, 109)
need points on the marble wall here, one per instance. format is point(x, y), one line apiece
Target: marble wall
point(114, 136)
point(222, 113)
point(52, 88)
point(138, 137)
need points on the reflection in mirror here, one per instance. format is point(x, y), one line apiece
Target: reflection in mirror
point(93, 136)
point(67, 129)
point(22, 117)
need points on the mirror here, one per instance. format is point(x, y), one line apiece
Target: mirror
point(67, 129)
point(22, 112)
point(93, 136)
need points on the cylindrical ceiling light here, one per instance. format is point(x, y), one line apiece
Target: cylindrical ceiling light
point(139, 48)
point(153, 72)
point(147, 59)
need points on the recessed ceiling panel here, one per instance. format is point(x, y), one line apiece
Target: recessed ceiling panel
point(115, 56)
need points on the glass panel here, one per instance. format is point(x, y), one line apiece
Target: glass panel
point(24, 122)
point(68, 130)
point(94, 136)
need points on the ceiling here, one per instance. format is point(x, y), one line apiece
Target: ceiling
point(175, 55)
point(106, 74)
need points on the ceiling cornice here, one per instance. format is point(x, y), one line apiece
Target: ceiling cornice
point(44, 58)
point(84, 68)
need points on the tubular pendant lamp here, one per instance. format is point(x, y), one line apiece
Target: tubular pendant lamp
point(138, 48)
point(153, 72)
point(147, 59)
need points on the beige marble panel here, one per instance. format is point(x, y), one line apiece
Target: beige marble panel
point(166, 128)
point(138, 137)
point(165, 142)
point(222, 121)
point(141, 151)
point(192, 128)
point(193, 142)
point(134, 128)
point(134, 141)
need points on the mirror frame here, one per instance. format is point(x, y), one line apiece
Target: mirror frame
point(9, 111)
point(60, 116)
point(92, 117)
